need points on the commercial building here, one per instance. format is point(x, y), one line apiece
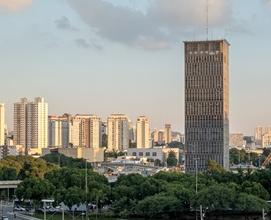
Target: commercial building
point(206, 104)
point(153, 154)
point(31, 124)
point(118, 132)
point(2, 124)
point(143, 132)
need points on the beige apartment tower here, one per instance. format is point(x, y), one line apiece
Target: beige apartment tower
point(2, 124)
point(118, 132)
point(143, 132)
point(86, 131)
point(31, 124)
point(167, 134)
point(206, 104)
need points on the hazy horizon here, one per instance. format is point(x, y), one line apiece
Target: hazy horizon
point(124, 56)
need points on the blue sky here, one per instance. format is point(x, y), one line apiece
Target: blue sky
point(126, 56)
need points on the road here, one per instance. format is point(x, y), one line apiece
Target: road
point(7, 210)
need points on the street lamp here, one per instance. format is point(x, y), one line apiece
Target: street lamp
point(196, 163)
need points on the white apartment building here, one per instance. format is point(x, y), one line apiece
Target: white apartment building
point(118, 132)
point(31, 124)
point(2, 124)
point(59, 131)
point(95, 128)
point(143, 132)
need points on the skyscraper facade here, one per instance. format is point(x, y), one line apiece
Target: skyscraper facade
point(206, 104)
point(118, 132)
point(31, 123)
point(2, 124)
point(143, 132)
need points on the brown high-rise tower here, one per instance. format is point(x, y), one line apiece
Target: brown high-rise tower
point(206, 103)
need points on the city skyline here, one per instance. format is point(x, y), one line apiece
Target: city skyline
point(101, 67)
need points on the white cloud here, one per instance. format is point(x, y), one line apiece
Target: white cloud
point(164, 22)
point(15, 5)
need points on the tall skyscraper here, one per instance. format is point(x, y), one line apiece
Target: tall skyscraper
point(118, 132)
point(143, 132)
point(2, 124)
point(167, 134)
point(206, 103)
point(31, 124)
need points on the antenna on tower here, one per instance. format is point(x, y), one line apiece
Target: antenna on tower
point(207, 19)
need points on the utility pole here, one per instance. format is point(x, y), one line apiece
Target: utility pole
point(86, 182)
point(196, 163)
point(264, 214)
point(63, 215)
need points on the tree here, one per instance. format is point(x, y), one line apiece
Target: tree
point(8, 173)
point(35, 188)
point(215, 197)
point(157, 163)
point(156, 205)
point(64, 161)
point(250, 203)
point(214, 167)
point(255, 189)
point(172, 160)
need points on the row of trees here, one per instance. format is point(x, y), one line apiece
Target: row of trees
point(164, 194)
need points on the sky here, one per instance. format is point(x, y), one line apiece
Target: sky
point(126, 56)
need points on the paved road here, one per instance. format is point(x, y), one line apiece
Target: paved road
point(7, 210)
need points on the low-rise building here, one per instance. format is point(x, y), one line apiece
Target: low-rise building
point(156, 153)
point(92, 155)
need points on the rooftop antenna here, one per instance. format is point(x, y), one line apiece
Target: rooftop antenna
point(207, 19)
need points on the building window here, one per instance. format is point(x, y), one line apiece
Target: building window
point(148, 154)
point(154, 154)
point(141, 154)
point(134, 154)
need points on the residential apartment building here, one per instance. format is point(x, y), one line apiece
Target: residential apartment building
point(59, 131)
point(143, 132)
point(31, 124)
point(167, 134)
point(86, 131)
point(118, 132)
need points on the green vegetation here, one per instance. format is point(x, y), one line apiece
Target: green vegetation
point(63, 161)
point(241, 156)
point(163, 195)
point(172, 160)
